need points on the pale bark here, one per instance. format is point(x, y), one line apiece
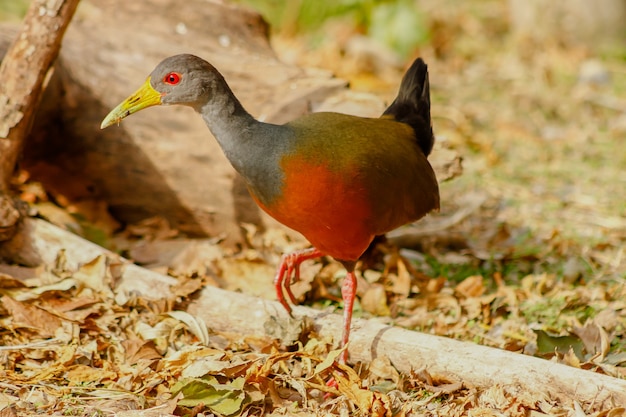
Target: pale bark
point(23, 72)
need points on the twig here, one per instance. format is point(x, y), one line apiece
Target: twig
point(34, 345)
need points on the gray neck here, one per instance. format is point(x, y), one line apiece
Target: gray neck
point(229, 122)
point(252, 147)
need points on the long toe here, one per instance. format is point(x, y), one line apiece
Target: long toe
point(289, 272)
point(279, 284)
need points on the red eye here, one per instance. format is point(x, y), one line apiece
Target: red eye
point(172, 78)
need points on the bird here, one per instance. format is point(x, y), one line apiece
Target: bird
point(339, 180)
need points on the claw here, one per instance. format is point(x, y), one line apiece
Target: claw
point(278, 284)
point(289, 272)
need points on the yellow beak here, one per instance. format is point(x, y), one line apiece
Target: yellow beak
point(145, 96)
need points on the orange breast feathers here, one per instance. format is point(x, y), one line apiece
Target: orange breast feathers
point(331, 209)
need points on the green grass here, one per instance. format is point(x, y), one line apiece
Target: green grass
point(555, 313)
point(13, 9)
point(398, 24)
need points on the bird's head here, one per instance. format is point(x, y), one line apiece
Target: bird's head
point(180, 79)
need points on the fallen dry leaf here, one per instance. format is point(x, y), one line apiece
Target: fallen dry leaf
point(225, 399)
point(139, 349)
point(595, 339)
point(374, 300)
point(369, 402)
point(32, 317)
point(402, 281)
point(196, 325)
point(471, 287)
point(84, 374)
point(380, 368)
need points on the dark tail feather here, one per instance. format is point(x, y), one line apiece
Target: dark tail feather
point(412, 105)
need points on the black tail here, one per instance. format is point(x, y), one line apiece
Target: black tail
point(412, 105)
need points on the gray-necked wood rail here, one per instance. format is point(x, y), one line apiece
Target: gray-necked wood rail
point(339, 180)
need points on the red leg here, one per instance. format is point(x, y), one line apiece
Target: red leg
point(348, 293)
point(289, 271)
point(293, 275)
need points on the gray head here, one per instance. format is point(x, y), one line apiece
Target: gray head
point(180, 79)
point(185, 79)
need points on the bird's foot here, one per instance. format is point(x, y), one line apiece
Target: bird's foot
point(289, 272)
point(333, 382)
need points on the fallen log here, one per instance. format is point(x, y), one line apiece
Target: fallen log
point(38, 242)
point(471, 364)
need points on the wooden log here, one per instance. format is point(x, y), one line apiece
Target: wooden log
point(38, 242)
point(23, 71)
point(474, 365)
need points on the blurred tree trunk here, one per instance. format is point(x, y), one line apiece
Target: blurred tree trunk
point(599, 24)
point(23, 71)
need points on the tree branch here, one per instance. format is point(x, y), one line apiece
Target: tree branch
point(23, 72)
